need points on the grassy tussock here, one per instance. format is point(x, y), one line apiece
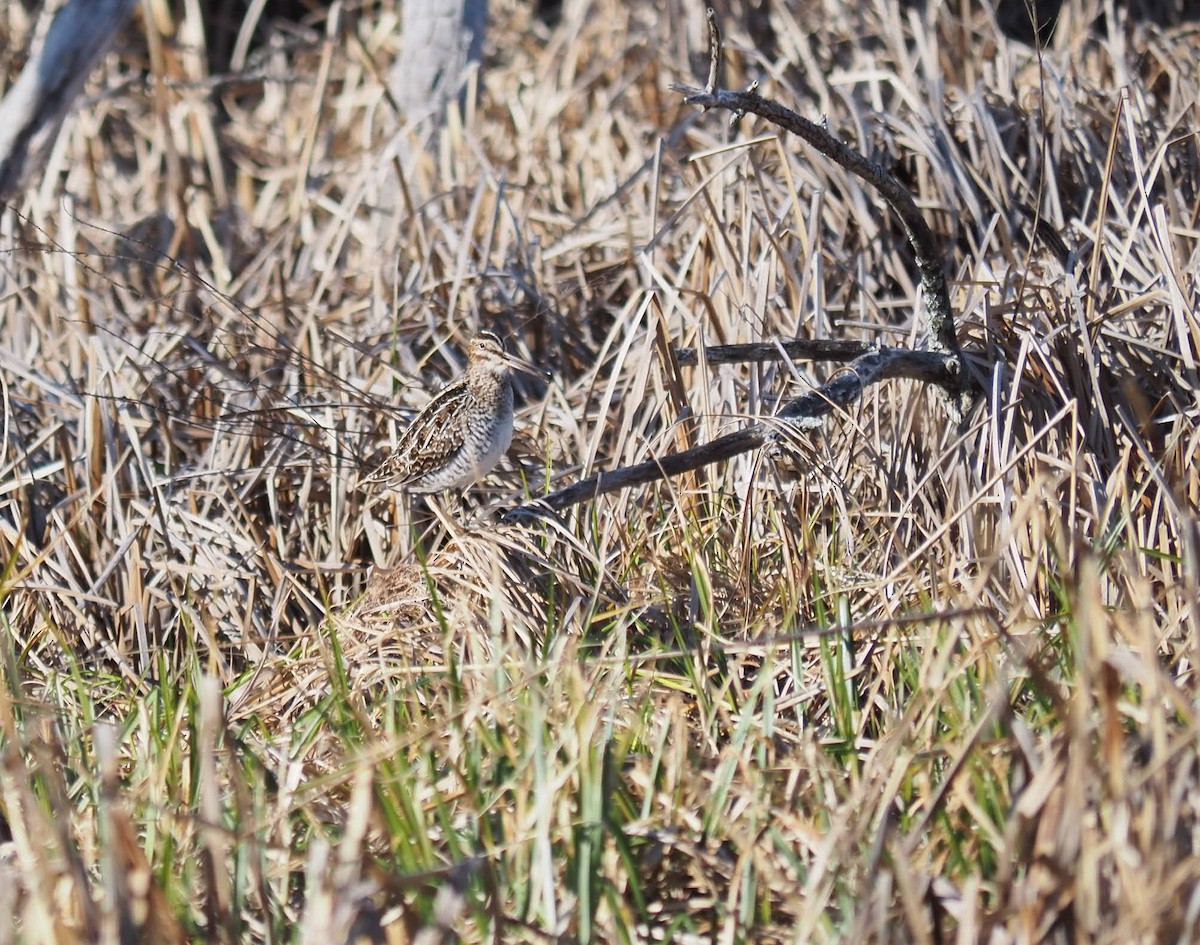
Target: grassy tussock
point(903, 681)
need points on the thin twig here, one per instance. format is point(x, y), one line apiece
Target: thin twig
point(714, 52)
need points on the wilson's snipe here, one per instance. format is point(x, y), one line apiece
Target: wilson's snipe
point(464, 430)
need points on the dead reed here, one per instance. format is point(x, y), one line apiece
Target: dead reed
point(905, 680)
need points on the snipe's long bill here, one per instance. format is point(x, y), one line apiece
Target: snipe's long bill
point(464, 431)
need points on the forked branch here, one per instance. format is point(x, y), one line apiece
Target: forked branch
point(938, 361)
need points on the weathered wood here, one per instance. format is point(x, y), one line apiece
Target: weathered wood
point(440, 40)
point(817, 349)
point(34, 108)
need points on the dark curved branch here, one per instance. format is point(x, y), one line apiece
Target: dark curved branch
point(652, 470)
point(925, 245)
point(939, 360)
point(805, 412)
point(802, 350)
point(942, 336)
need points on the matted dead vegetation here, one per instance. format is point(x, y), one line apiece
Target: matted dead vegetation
point(907, 680)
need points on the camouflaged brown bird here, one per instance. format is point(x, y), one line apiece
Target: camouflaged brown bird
point(464, 431)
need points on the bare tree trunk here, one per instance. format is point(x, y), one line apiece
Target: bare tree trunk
point(36, 105)
point(441, 40)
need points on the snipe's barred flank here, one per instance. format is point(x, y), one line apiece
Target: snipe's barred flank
point(464, 431)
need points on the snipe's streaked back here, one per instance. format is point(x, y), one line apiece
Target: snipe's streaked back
point(464, 430)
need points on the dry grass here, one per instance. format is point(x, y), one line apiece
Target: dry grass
point(915, 683)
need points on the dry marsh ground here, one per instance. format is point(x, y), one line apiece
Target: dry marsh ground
point(907, 680)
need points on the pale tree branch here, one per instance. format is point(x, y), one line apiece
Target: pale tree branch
point(35, 106)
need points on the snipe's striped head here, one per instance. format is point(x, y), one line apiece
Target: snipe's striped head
point(487, 351)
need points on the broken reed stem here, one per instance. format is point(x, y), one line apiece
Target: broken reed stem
point(714, 52)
